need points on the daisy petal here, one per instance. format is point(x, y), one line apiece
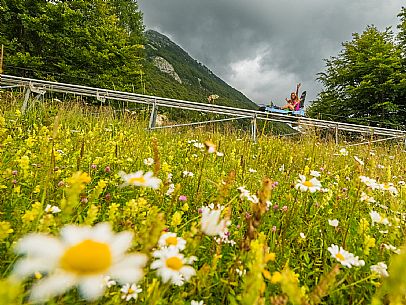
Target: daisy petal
point(28, 266)
point(40, 245)
point(51, 286)
point(92, 287)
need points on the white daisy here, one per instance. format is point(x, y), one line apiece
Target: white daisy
point(82, 256)
point(240, 272)
point(346, 258)
point(367, 198)
point(381, 269)
point(187, 174)
point(198, 145)
point(130, 291)
point(193, 302)
point(148, 161)
point(171, 189)
point(314, 173)
point(253, 199)
point(169, 239)
point(172, 266)
point(211, 222)
point(333, 222)
point(377, 218)
point(391, 248)
point(244, 192)
point(140, 179)
point(369, 182)
point(311, 185)
point(388, 187)
point(343, 152)
point(52, 209)
point(251, 170)
point(108, 282)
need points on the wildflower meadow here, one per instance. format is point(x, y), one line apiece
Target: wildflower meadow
point(96, 209)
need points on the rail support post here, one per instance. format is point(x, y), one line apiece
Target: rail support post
point(336, 129)
point(1, 59)
point(152, 118)
point(26, 98)
point(254, 128)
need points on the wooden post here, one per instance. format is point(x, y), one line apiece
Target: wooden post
point(1, 59)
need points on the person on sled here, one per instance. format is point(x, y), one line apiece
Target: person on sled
point(293, 103)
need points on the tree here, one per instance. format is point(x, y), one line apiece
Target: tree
point(363, 84)
point(402, 45)
point(77, 41)
point(402, 31)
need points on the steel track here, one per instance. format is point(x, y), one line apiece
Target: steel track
point(106, 94)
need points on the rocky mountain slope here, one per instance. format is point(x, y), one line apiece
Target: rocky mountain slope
point(172, 72)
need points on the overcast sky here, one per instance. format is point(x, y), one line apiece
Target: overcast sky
point(264, 47)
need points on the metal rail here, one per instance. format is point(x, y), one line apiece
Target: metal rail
point(40, 86)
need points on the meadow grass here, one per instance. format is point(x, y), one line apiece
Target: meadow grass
point(61, 164)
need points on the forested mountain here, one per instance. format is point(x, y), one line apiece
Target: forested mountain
point(171, 72)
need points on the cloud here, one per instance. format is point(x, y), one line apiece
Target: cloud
point(264, 47)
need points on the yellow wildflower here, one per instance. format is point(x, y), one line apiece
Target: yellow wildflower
point(5, 229)
point(185, 207)
point(276, 277)
point(166, 167)
point(79, 178)
point(176, 218)
point(369, 242)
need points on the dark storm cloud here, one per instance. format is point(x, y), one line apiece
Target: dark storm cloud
point(263, 48)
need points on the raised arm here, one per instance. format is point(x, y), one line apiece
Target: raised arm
point(297, 89)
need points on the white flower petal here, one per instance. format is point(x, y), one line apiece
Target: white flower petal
point(92, 287)
point(71, 234)
point(102, 232)
point(51, 286)
point(120, 243)
point(187, 272)
point(40, 245)
point(29, 266)
point(130, 269)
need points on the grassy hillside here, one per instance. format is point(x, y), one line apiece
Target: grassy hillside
point(224, 221)
point(198, 82)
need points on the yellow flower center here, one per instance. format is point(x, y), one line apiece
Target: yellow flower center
point(130, 291)
point(174, 263)
point(340, 257)
point(171, 241)
point(134, 180)
point(87, 257)
point(307, 183)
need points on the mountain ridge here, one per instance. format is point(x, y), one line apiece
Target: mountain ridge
point(171, 72)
